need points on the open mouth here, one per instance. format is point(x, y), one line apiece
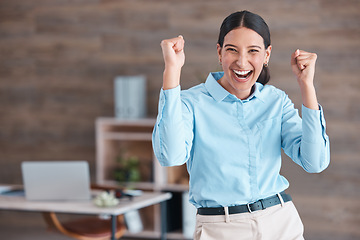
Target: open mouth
point(242, 75)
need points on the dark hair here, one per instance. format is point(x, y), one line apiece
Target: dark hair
point(254, 22)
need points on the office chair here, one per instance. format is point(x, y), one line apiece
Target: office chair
point(86, 228)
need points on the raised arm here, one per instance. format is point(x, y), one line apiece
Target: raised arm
point(173, 132)
point(306, 143)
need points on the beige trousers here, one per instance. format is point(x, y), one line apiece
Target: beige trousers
point(274, 223)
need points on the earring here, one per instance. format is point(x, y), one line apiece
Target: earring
point(266, 64)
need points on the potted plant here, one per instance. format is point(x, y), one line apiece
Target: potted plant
point(127, 169)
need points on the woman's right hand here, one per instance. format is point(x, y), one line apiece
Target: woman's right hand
point(173, 52)
point(174, 57)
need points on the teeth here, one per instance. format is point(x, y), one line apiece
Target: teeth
point(241, 72)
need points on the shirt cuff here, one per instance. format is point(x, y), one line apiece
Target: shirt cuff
point(168, 99)
point(314, 125)
point(170, 92)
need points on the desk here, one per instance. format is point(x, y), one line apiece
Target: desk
point(87, 207)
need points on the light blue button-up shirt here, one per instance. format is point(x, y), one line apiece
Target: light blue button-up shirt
point(232, 147)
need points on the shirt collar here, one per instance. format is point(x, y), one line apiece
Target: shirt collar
point(219, 93)
point(257, 93)
point(214, 88)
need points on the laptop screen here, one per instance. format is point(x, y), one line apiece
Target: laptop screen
point(56, 180)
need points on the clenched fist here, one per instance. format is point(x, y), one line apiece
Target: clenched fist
point(174, 57)
point(173, 52)
point(303, 65)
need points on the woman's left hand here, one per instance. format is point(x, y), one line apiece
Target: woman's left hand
point(303, 66)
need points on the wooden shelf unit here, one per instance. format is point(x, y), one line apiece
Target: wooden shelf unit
point(133, 138)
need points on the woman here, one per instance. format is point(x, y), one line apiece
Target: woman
point(230, 130)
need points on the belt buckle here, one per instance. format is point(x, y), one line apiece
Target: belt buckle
point(248, 207)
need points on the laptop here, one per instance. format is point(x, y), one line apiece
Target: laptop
point(56, 180)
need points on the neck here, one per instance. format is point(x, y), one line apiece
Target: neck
point(240, 94)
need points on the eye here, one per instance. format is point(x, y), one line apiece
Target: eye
point(253, 50)
point(231, 50)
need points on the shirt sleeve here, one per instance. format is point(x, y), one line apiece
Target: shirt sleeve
point(173, 131)
point(305, 140)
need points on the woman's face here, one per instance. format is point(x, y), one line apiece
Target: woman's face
point(242, 58)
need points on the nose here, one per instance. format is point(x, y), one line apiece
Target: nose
point(241, 60)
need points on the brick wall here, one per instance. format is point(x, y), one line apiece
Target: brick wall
point(58, 60)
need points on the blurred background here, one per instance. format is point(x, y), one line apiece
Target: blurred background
point(59, 58)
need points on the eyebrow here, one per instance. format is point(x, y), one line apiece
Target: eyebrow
point(252, 46)
point(230, 45)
